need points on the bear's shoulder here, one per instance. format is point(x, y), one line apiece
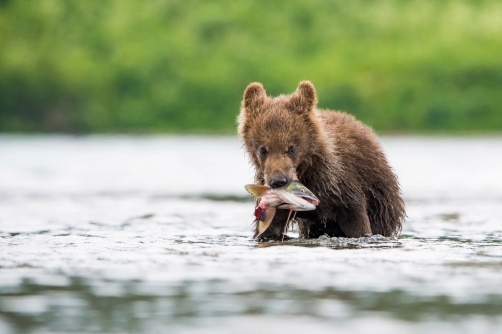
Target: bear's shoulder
point(350, 136)
point(339, 122)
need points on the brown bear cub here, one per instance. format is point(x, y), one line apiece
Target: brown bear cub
point(334, 155)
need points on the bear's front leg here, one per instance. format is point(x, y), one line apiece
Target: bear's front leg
point(310, 226)
point(346, 222)
point(354, 221)
point(276, 228)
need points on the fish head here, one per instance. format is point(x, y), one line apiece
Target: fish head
point(296, 188)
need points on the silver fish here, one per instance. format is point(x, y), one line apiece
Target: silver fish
point(294, 196)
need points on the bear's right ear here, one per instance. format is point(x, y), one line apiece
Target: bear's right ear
point(254, 97)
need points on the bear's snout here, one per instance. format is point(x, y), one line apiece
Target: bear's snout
point(278, 181)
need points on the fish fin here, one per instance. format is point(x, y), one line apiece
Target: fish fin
point(256, 190)
point(265, 220)
point(262, 226)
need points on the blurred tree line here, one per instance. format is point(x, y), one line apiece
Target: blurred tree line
point(182, 65)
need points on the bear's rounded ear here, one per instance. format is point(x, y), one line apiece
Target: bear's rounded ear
point(304, 99)
point(254, 96)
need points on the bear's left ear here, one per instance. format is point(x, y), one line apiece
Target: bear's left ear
point(304, 99)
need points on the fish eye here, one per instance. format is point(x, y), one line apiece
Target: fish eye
point(291, 150)
point(302, 190)
point(263, 151)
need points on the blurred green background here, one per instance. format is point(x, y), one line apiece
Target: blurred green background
point(181, 66)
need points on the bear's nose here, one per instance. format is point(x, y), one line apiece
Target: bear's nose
point(278, 182)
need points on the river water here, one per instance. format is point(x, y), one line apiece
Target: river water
point(131, 234)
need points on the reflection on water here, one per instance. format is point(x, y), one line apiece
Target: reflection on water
point(125, 234)
point(91, 304)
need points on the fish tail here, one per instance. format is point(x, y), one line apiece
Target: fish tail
point(256, 190)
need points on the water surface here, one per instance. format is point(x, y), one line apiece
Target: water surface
point(152, 234)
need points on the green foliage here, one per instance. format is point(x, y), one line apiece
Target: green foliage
point(182, 66)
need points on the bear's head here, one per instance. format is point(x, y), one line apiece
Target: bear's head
point(281, 134)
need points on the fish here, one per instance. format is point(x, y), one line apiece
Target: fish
point(294, 196)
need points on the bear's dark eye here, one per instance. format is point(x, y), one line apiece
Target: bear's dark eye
point(263, 151)
point(291, 150)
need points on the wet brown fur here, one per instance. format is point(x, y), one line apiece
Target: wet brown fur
point(334, 155)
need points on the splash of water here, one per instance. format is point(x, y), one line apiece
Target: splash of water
point(369, 241)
